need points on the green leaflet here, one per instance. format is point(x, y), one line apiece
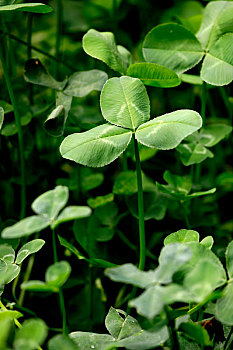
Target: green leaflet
point(103, 47)
point(51, 202)
point(217, 68)
point(172, 46)
point(96, 147)
point(167, 131)
point(34, 8)
point(81, 84)
point(217, 20)
point(154, 75)
point(124, 102)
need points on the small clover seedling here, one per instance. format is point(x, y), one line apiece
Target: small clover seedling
point(125, 106)
point(10, 265)
point(47, 207)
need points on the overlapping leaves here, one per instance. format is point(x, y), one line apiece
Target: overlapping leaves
point(125, 104)
point(47, 207)
point(175, 47)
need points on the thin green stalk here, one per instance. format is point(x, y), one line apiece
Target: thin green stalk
point(29, 50)
point(55, 258)
point(226, 101)
point(34, 48)
point(58, 34)
point(91, 308)
point(203, 101)
point(227, 342)
point(172, 331)
point(142, 238)
point(26, 278)
point(19, 128)
point(63, 312)
point(60, 293)
point(185, 215)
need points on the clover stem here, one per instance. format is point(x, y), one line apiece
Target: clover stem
point(226, 101)
point(185, 215)
point(203, 100)
point(55, 258)
point(58, 35)
point(142, 239)
point(60, 293)
point(18, 124)
point(91, 309)
point(29, 50)
point(26, 278)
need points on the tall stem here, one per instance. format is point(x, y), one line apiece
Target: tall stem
point(29, 50)
point(58, 34)
point(26, 278)
point(19, 127)
point(203, 100)
point(142, 238)
point(60, 293)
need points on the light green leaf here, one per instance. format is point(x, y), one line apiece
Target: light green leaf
point(213, 134)
point(103, 47)
point(34, 8)
point(72, 213)
point(217, 20)
point(100, 200)
point(130, 274)
point(32, 334)
point(202, 280)
point(86, 340)
point(61, 342)
point(224, 306)
point(182, 236)
point(200, 252)
point(208, 242)
point(193, 153)
point(167, 131)
point(51, 202)
point(11, 271)
point(35, 73)
point(29, 248)
point(172, 257)
point(126, 183)
point(39, 286)
point(182, 184)
point(229, 259)
point(114, 322)
point(195, 332)
point(58, 273)
point(26, 227)
point(82, 83)
point(217, 68)
point(124, 102)
point(55, 123)
point(191, 79)
point(11, 314)
point(7, 253)
point(1, 117)
point(96, 147)
point(145, 339)
point(149, 303)
point(172, 46)
point(154, 75)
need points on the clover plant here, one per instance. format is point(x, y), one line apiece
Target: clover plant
point(89, 104)
point(125, 105)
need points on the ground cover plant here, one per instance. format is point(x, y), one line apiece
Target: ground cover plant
point(116, 175)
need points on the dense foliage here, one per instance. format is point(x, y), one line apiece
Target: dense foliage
point(116, 175)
